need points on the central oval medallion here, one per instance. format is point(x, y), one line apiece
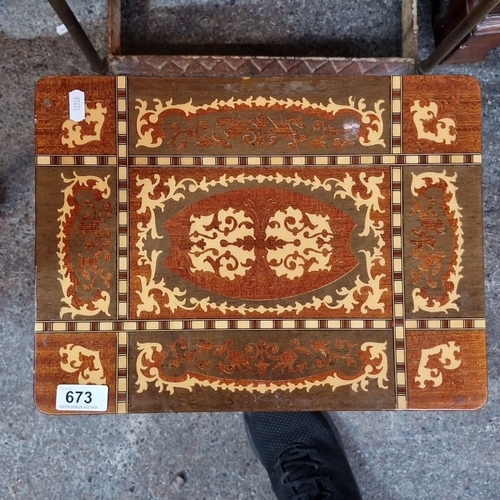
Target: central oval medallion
point(260, 244)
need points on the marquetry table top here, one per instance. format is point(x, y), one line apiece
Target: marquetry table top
point(260, 244)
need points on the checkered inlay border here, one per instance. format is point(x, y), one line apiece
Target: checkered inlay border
point(398, 288)
point(446, 324)
point(122, 152)
point(122, 373)
point(75, 161)
point(396, 115)
point(280, 161)
point(213, 324)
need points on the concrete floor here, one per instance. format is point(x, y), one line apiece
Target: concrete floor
point(395, 456)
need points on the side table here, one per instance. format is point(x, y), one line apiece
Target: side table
point(259, 244)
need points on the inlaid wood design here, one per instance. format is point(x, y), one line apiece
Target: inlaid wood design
point(57, 134)
point(261, 244)
point(216, 363)
point(432, 214)
point(289, 248)
point(271, 361)
point(447, 357)
point(77, 134)
point(444, 278)
point(87, 363)
point(283, 239)
point(260, 123)
point(431, 124)
point(84, 212)
point(66, 358)
point(437, 120)
point(76, 211)
point(263, 118)
point(446, 369)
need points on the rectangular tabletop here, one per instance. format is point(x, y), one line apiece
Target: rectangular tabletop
point(259, 244)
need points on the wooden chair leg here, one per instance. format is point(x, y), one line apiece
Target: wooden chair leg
point(452, 41)
point(66, 15)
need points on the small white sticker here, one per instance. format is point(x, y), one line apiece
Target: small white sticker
point(82, 397)
point(76, 105)
point(61, 29)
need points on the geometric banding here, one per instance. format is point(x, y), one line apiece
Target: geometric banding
point(122, 201)
point(446, 324)
point(122, 373)
point(219, 324)
point(396, 115)
point(72, 161)
point(457, 160)
point(398, 288)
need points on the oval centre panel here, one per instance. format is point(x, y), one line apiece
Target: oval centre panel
point(260, 244)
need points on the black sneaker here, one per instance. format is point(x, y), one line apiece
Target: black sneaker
point(303, 455)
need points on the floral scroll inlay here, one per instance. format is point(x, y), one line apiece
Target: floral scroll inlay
point(80, 133)
point(261, 360)
point(85, 362)
point(424, 237)
point(261, 129)
point(265, 243)
point(302, 243)
point(218, 243)
point(366, 293)
point(433, 361)
point(430, 125)
point(90, 263)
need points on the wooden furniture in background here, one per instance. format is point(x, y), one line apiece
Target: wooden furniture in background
point(476, 45)
point(261, 244)
point(227, 66)
point(467, 32)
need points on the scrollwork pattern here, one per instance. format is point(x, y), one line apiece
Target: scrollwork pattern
point(260, 357)
point(365, 127)
point(152, 200)
point(102, 299)
point(425, 236)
